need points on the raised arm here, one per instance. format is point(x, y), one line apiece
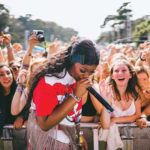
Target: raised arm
point(28, 55)
point(2, 60)
point(103, 113)
point(20, 96)
point(7, 42)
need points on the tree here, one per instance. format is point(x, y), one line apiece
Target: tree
point(142, 30)
point(4, 17)
point(18, 26)
point(122, 18)
point(122, 15)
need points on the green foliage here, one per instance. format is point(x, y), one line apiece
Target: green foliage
point(4, 17)
point(141, 28)
point(123, 12)
point(17, 27)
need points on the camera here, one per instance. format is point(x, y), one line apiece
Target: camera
point(39, 35)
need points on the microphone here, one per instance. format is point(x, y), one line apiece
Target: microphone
point(100, 99)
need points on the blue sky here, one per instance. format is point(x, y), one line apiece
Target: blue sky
point(85, 16)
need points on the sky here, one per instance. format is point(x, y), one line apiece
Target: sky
point(84, 16)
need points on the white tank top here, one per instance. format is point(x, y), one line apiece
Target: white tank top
point(109, 95)
point(128, 112)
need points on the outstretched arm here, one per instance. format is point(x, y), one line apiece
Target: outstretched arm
point(2, 60)
point(28, 55)
point(7, 42)
point(20, 97)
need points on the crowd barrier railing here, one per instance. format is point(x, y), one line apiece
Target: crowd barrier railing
point(128, 140)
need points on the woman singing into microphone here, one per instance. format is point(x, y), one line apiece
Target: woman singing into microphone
point(56, 97)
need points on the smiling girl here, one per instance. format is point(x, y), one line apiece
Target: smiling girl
point(120, 90)
point(7, 90)
point(125, 98)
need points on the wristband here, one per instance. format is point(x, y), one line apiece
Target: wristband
point(78, 99)
point(25, 66)
point(20, 88)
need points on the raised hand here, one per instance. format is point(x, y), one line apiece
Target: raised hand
point(5, 39)
point(22, 77)
point(105, 90)
point(32, 41)
point(81, 87)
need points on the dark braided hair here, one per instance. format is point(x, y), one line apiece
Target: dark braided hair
point(61, 62)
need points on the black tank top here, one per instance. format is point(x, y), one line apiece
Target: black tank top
point(88, 108)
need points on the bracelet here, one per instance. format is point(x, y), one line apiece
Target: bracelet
point(25, 66)
point(19, 88)
point(78, 99)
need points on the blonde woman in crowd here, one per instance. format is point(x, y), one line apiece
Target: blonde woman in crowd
point(144, 82)
point(120, 91)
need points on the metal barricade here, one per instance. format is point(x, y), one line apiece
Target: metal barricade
point(133, 137)
point(93, 139)
point(13, 139)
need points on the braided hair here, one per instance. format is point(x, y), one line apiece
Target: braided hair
point(83, 52)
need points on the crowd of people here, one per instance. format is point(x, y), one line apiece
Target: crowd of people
point(47, 91)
